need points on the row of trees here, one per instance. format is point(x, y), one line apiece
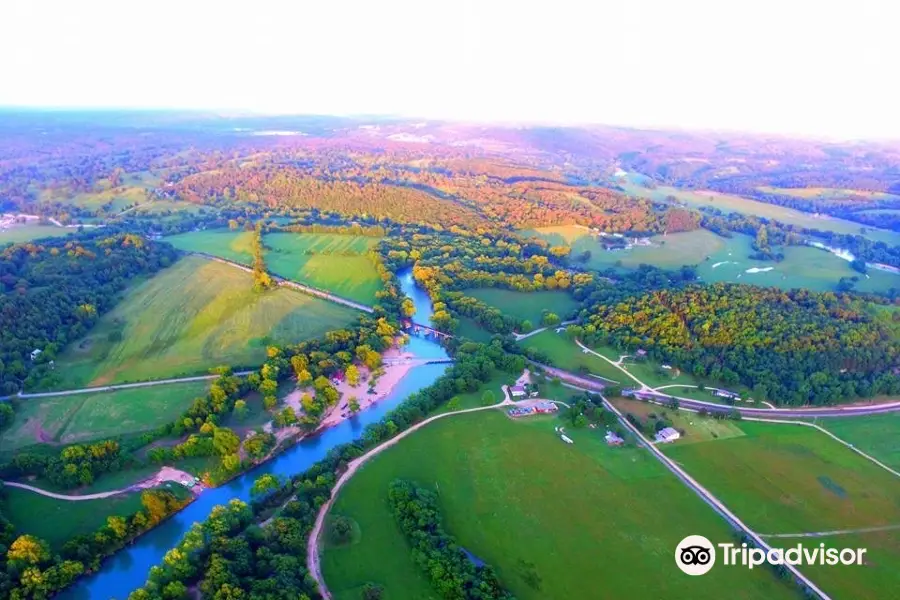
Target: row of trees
point(452, 573)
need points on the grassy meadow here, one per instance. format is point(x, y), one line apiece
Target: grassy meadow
point(876, 435)
point(728, 203)
point(668, 252)
point(83, 417)
point(696, 429)
point(213, 318)
point(826, 193)
point(337, 263)
point(526, 305)
point(783, 478)
point(576, 521)
point(57, 521)
point(565, 354)
point(26, 233)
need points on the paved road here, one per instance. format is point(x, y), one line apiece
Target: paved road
point(646, 392)
point(292, 284)
point(119, 386)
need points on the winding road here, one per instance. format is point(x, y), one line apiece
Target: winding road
point(165, 474)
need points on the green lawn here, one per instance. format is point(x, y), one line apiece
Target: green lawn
point(471, 329)
point(26, 233)
point(82, 417)
point(212, 317)
point(783, 478)
point(876, 435)
point(527, 305)
point(728, 203)
point(870, 582)
point(695, 428)
point(590, 521)
point(337, 263)
point(57, 521)
point(565, 354)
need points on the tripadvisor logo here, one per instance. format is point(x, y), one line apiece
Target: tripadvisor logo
point(696, 555)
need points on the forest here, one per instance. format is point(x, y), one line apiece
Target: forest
point(795, 348)
point(52, 292)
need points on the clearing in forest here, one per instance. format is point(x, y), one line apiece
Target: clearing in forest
point(191, 317)
point(527, 305)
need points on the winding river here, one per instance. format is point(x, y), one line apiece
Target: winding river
point(128, 569)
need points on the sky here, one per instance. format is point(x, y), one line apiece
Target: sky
point(825, 68)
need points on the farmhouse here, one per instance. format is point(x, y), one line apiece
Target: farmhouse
point(667, 435)
point(613, 439)
point(517, 391)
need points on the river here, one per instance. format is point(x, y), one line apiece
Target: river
point(128, 569)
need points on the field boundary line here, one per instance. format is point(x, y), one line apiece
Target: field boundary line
point(281, 281)
point(814, 534)
point(120, 386)
point(832, 436)
point(710, 499)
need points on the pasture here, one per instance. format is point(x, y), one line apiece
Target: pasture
point(565, 354)
point(527, 305)
point(57, 521)
point(868, 582)
point(728, 203)
point(83, 417)
point(783, 478)
point(875, 435)
point(337, 263)
point(554, 520)
point(213, 317)
point(27, 233)
point(696, 428)
point(826, 193)
point(667, 252)
point(471, 329)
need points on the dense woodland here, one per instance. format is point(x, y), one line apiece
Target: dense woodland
point(52, 292)
point(796, 347)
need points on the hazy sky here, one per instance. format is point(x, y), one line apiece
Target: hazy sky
point(825, 67)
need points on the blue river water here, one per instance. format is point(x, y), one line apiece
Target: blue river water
point(128, 569)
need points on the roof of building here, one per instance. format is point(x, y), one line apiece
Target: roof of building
point(518, 388)
point(668, 432)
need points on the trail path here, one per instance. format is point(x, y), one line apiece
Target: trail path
point(815, 534)
point(313, 562)
point(521, 336)
point(165, 474)
point(120, 386)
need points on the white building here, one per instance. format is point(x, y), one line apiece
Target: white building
point(667, 435)
point(517, 391)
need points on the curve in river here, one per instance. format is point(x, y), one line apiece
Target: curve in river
point(128, 569)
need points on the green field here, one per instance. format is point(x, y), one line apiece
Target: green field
point(26, 233)
point(566, 355)
point(337, 263)
point(667, 252)
point(526, 305)
point(728, 203)
point(471, 329)
point(57, 521)
point(695, 428)
point(876, 435)
point(784, 479)
point(803, 266)
point(590, 521)
point(82, 417)
point(213, 317)
point(819, 192)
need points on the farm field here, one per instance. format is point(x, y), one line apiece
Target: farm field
point(26, 233)
point(337, 263)
point(668, 252)
point(214, 318)
point(875, 435)
point(728, 203)
point(565, 354)
point(870, 583)
point(783, 478)
point(57, 521)
point(526, 305)
point(508, 491)
point(818, 192)
point(803, 266)
point(83, 417)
